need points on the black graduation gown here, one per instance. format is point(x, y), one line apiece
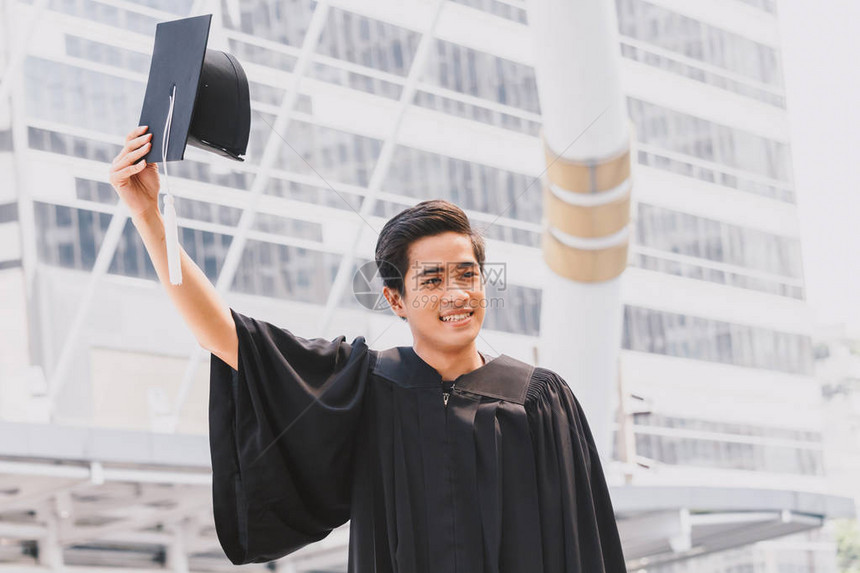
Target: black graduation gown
point(310, 433)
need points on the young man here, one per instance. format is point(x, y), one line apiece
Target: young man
point(443, 458)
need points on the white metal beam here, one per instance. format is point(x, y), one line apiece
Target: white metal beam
point(33, 491)
point(16, 106)
point(670, 528)
point(383, 164)
point(140, 520)
point(50, 549)
point(261, 180)
point(177, 551)
point(12, 530)
point(101, 475)
point(146, 494)
point(103, 259)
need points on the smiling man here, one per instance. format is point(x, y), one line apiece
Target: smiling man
point(445, 302)
point(443, 459)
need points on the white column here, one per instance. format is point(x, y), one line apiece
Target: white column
point(585, 130)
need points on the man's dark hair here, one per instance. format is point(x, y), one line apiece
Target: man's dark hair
point(425, 219)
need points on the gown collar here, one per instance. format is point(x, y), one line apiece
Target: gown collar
point(503, 377)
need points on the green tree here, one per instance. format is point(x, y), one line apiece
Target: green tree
point(848, 545)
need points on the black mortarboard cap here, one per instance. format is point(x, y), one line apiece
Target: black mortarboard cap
point(212, 108)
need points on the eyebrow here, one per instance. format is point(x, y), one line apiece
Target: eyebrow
point(438, 269)
point(429, 271)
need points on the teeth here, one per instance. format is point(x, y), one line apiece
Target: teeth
point(456, 317)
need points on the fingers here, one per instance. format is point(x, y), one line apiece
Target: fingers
point(118, 177)
point(139, 130)
point(133, 150)
point(133, 140)
point(127, 163)
point(135, 143)
point(134, 155)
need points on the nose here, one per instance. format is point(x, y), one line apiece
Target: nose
point(455, 296)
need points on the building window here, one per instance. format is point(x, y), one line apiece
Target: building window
point(95, 191)
point(118, 17)
point(285, 271)
point(347, 37)
point(209, 212)
point(718, 453)
point(766, 5)
point(718, 153)
point(692, 236)
point(285, 21)
point(8, 212)
point(288, 227)
point(735, 428)
point(457, 108)
point(676, 65)
point(684, 336)
point(482, 75)
point(106, 54)
point(82, 98)
point(51, 141)
point(728, 445)
point(472, 186)
point(699, 41)
point(497, 8)
point(319, 194)
point(6, 140)
point(326, 154)
point(738, 279)
point(71, 238)
point(514, 309)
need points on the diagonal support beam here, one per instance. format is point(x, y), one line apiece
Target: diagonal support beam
point(103, 259)
point(261, 180)
point(383, 164)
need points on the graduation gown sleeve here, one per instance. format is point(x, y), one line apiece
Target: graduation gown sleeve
point(281, 431)
point(579, 531)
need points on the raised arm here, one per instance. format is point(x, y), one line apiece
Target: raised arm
point(198, 302)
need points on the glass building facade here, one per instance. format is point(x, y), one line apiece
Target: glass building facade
point(79, 103)
point(62, 93)
point(97, 88)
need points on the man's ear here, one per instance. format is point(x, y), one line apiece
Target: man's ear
point(395, 301)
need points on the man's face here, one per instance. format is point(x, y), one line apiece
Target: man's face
point(443, 279)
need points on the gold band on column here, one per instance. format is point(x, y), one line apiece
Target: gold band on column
point(586, 221)
point(587, 177)
point(583, 265)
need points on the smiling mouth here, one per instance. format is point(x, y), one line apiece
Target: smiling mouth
point(457, 318)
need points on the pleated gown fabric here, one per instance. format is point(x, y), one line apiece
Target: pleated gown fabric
point(310, 433)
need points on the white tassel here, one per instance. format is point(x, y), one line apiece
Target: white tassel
point(171, 227)
point(171, 237)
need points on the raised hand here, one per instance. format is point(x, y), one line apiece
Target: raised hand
point(136, 183)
